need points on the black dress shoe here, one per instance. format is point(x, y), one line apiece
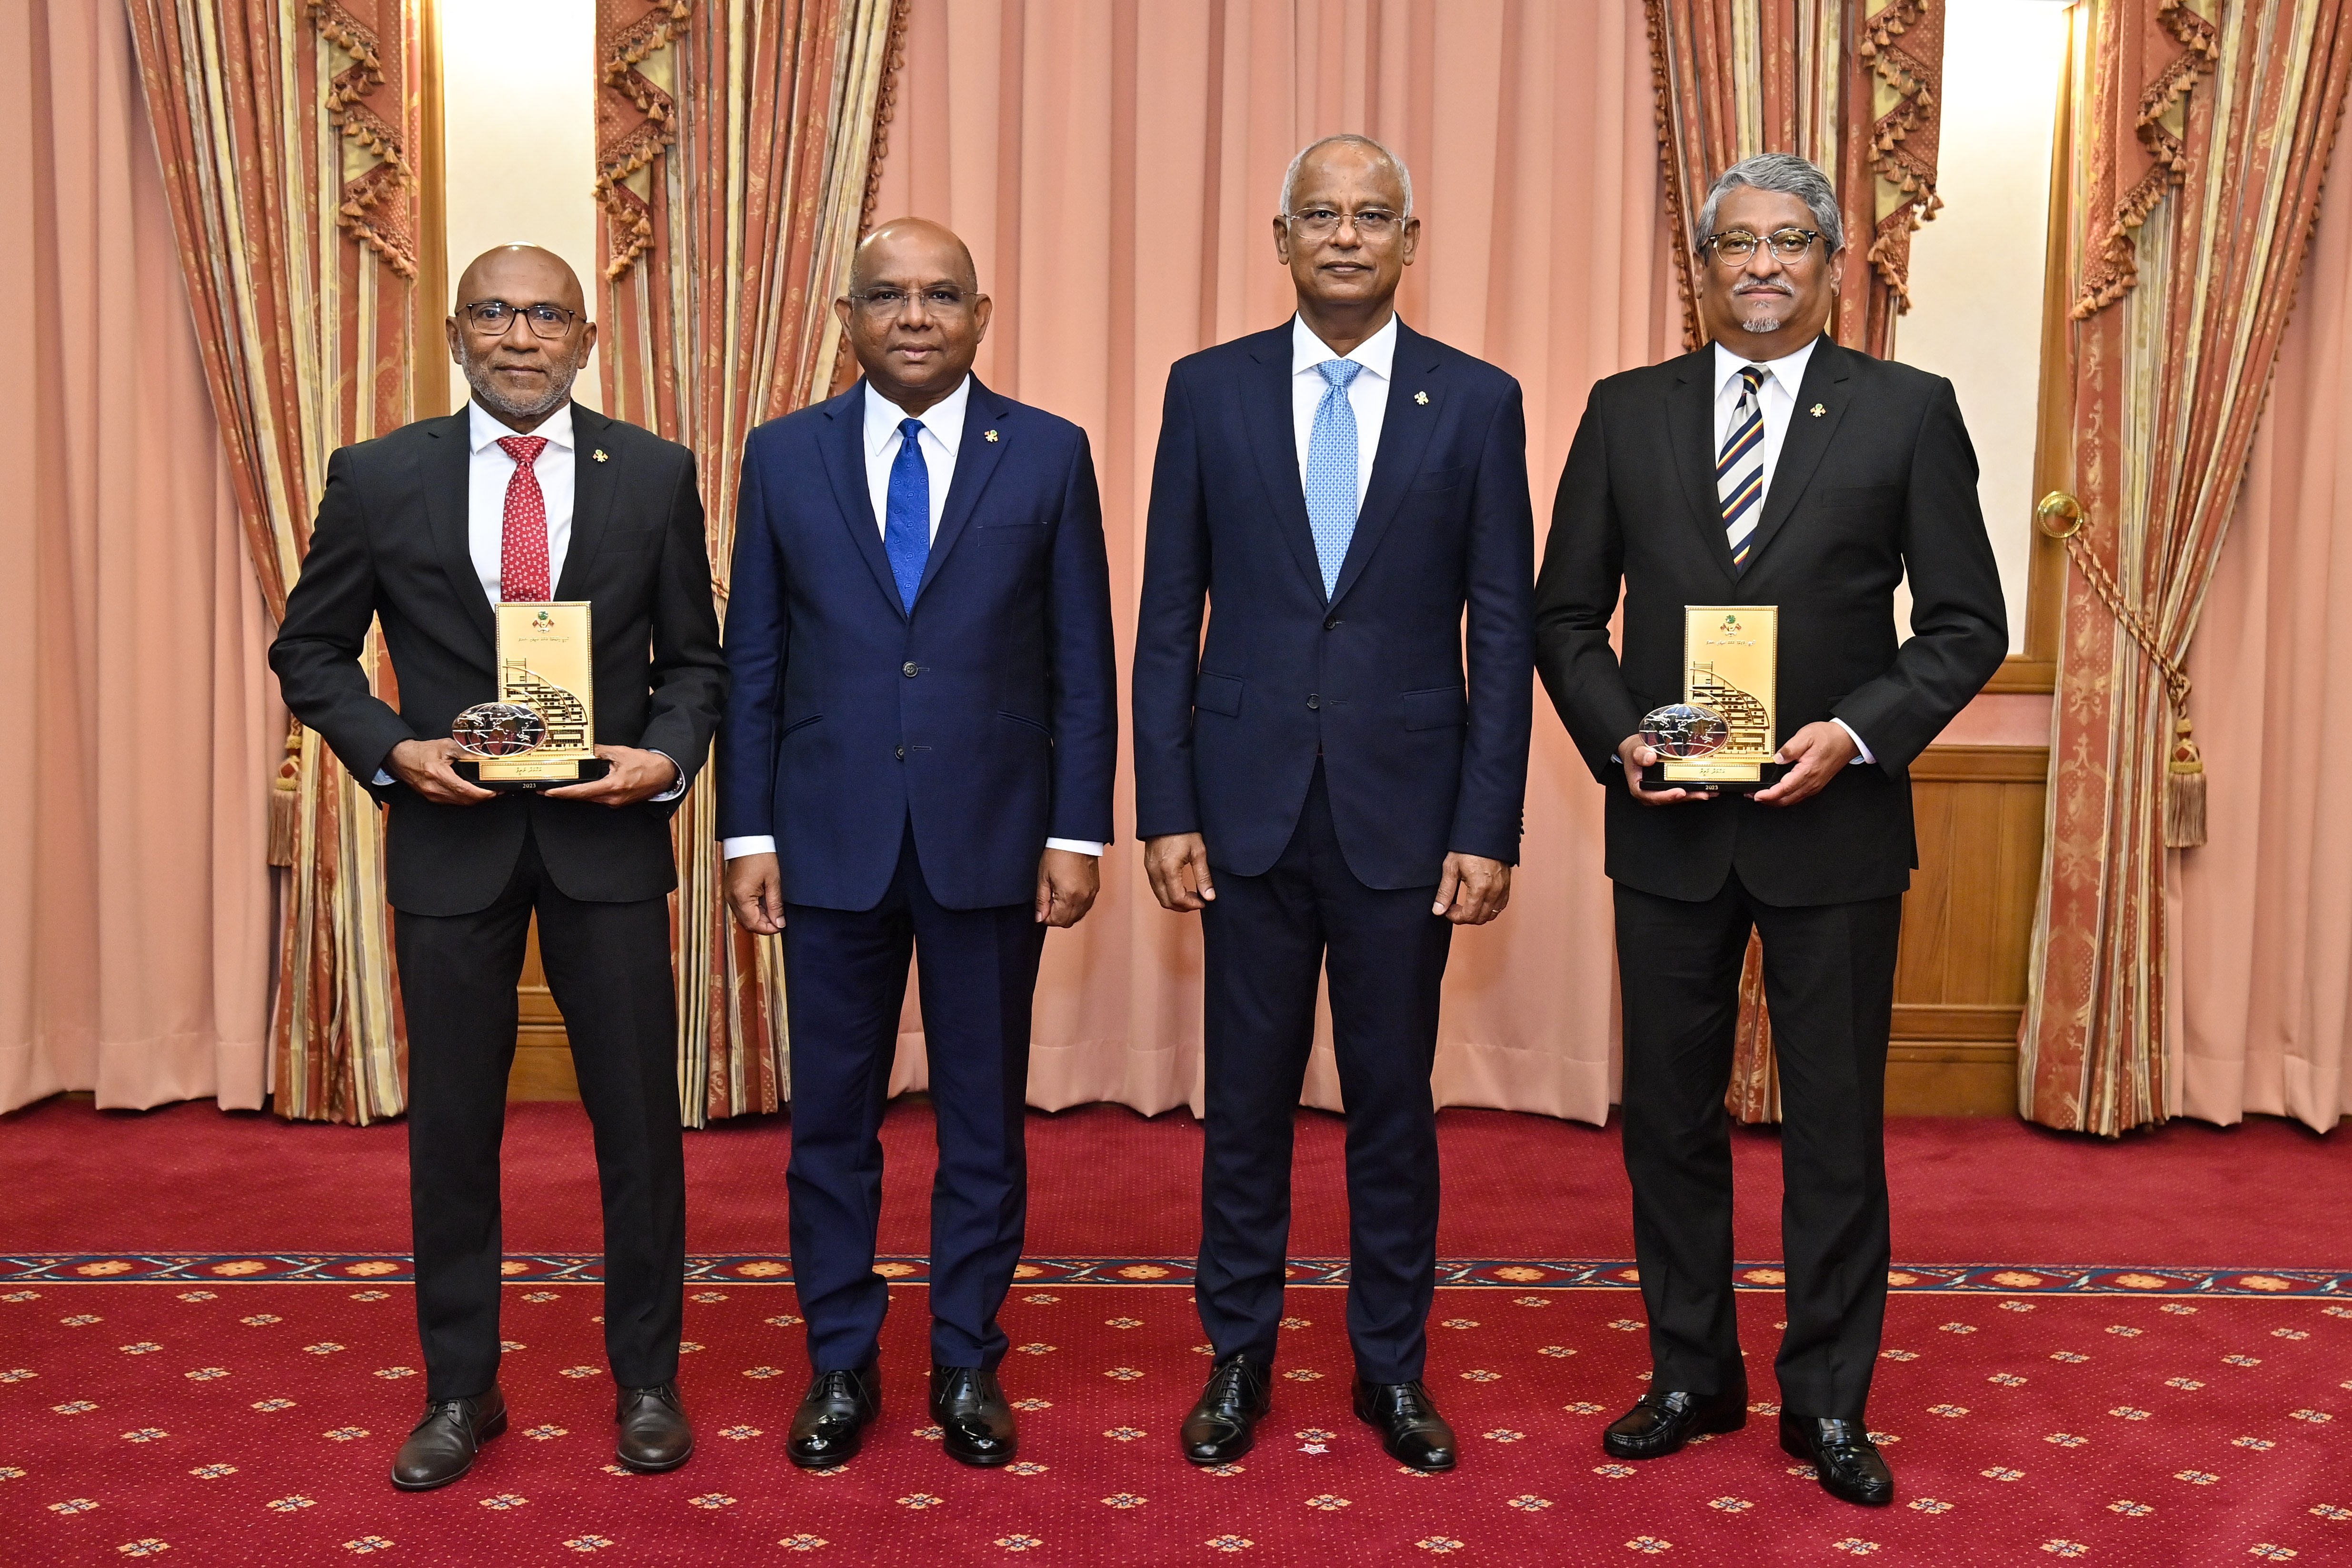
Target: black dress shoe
point(975, 1424)
point(1662, 1422)
point(833, 1417)
point(1412, 1430)
point(1223, 1420)
point(442, 1447)
point(1850, 1468)
point(653, 1432)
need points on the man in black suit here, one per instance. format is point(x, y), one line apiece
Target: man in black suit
point(1769, 467)
point(1320, 779)
point(522, 496)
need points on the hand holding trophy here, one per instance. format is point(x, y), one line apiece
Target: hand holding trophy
point(540, 727)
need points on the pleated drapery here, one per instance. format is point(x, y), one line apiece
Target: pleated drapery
point(283, 127)
point(1116, 166)
point(134, 898)
point(2201, 137)
point(736, 145)
point(1852, 85)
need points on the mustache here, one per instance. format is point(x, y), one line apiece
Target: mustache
point(1764, 288)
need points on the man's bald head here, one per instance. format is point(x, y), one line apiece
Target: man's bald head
point(910, 247)
point(521, 275)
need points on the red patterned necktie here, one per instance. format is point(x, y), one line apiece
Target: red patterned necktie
point(523, 549)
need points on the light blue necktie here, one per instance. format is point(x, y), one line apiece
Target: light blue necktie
point(1331, 471)
point(906, 524)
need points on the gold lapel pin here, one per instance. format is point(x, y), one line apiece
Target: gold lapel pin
point(1817, 411)
point(1420, 397)
point(598, 454)
point(987, 435)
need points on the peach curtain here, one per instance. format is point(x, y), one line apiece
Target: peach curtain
point(1115, 165)
point(2262, 914)
point(134, 896)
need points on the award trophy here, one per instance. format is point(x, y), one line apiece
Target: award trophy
point(1721, 735)
point(540, 729)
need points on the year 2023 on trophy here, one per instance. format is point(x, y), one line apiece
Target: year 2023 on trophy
point(1720, 735)
point(542, 725)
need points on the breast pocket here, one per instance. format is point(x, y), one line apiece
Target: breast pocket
point(1859, 497)
point(1008, 533)
point(1437, 479)
point(631, 541)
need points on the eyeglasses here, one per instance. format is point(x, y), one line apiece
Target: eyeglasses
point(887, 301)
point(1735, 245)
point(1321, 223)
point(494, 318)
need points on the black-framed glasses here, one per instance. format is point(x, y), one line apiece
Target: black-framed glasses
point(495, 318)
point(883, 301)
point(1321, 223)
point(1734, 246)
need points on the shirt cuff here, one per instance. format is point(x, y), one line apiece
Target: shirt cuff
point(1077, 845)
point(750, 844)
point(676, 789)
point(1860, 744)
point(382, 778)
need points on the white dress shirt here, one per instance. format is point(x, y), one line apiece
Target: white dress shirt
point(488, 474)
point(1367, 394)
point(1777, 398)
point(939, 440)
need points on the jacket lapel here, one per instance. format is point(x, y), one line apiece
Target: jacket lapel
point(845, 466)
point(1690, 430)
point(1807, 440)
point(1405, 432)
point(448, 458)
point(593, 485)
point(1266, 417)
point(976, 460)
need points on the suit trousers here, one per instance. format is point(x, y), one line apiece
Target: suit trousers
point(608, 966)
point(1829, 983)
point(846, 979)
point(1266, 940)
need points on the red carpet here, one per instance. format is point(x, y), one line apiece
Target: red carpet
point(2079, 1413)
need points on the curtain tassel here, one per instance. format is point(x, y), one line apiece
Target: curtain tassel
point(2184, 792)
point(285, 797)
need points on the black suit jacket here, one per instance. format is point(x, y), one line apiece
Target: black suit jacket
point(1880, 480)
point(1410, 683)
point(391, 543)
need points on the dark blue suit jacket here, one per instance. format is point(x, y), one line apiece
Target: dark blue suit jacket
point(988, 717)
point(1420, 761)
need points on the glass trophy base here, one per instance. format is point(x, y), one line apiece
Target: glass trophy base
point(1765, 775)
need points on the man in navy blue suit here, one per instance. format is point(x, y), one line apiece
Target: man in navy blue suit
point(1319, 779)
point(915, 759)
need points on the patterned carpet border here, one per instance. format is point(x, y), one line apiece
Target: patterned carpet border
point(1550, 1274)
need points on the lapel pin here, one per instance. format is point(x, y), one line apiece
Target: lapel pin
point(1817, 411)
point(987, 435)
point(1420, 397)
point(598, 454)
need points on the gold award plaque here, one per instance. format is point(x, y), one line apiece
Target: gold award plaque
point(545, 663)
point(1731, 656)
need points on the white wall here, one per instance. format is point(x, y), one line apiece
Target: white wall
point(1977, 269)
point(518, 137)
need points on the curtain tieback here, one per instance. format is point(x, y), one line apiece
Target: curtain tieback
point(285, 797)
point(2061, 517)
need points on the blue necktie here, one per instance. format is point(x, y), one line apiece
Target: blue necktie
point(907, 524)
point(1331, 471)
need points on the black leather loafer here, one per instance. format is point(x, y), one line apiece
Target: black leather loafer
point(1411, 1429)
point(1850, 1468)
point(653, 1432)
point(1663, 1421)
point(442, 1447)
point(833, 1417)
point(1223, 1420)
point(975, 1424)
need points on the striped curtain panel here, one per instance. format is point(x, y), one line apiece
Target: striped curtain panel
point(2200, 137)
point(284, 129)
point(737, 145)
point(1852, 85)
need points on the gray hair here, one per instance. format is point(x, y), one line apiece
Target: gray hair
point(1290, 175)
point(1789, 175)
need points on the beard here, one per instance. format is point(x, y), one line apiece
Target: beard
point(559, 377)
point(1773, 319)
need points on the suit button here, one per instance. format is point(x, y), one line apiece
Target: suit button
point(902, 754)
point(1332, 625)
point(1313, 701)
point(908, 670)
